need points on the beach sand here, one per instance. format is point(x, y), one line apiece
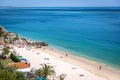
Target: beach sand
point(106, 71)
point(75, 68)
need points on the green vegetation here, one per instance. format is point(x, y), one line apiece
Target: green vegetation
point(9, 73)
point(20, 76)
point(45, 71)
point(6, 62)
point(14, 58)
point(1, 66)
point(16, 38)
point(5, 75)
point(4, 53)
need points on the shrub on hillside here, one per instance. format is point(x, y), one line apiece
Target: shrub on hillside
point(5, 52)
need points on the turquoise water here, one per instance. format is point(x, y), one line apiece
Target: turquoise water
point(94, 34)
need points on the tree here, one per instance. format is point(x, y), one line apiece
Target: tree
point(45, 71)
point(11, 69)
point(1, 66)
point(6, 75)
point(20, 76)
point(9, 73)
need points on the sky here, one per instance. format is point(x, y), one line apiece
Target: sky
point(60, 3)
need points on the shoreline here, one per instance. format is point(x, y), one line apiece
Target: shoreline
point(87, 64)
point(63, 52)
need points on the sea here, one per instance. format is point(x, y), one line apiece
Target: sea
point(89, 32)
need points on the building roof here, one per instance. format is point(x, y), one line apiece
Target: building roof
point(20, 65)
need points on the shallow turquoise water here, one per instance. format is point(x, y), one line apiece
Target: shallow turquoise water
point(90, 34)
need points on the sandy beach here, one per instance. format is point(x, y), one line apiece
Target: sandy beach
point(73, 67)
point(89, 65)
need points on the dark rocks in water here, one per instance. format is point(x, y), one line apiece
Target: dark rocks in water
point(39, 44)
point(44, 44)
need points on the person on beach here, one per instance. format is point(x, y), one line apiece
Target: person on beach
point(66, 54)
point(100, 67)
point(51, 49)
point(43, 49)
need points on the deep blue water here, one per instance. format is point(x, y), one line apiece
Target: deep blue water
point(92, 34)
